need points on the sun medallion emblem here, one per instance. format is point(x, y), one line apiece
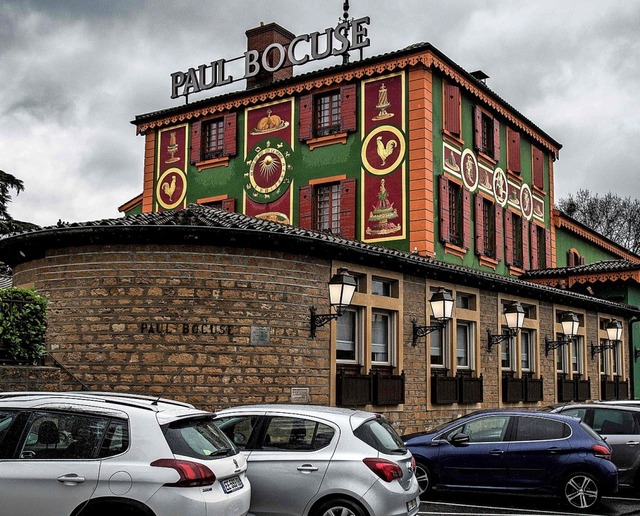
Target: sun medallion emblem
point(267, 172)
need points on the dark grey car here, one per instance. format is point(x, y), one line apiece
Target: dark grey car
point(620, 426)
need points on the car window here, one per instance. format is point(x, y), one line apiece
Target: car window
point(577, 412)
point(198, 438)
point(540, 429)
point(614, 422)
point(295, 433)
point(238, 428)
point(52, 435)
point(116, 440)
point(482, 430)
point(379, 434)
point(6, 418)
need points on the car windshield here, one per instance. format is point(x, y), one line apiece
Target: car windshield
point(379, 434)
point(198, 438)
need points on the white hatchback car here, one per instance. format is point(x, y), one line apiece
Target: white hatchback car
point(100, 454)
point(307, 460)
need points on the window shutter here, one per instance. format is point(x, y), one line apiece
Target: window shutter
point(513, 149)
point(348, 208)
point(348, 107)
point(305, 130)
point(466, 218)
point(537, 158)
point(230, 134)
point(196, 142)
point(443, 185)
point(526, 262)
point(229, 205)
point(496, 139)
point(508, 237)
point(452, 109)
point(535, 247)
point(499, 232)
point(571, 259)
point(479, 225)
point(477, 128)
point(305, 207)
point(547, 248)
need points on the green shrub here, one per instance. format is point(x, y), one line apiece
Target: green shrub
point(22, 323)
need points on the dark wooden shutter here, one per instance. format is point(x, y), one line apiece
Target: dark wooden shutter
point(452, 109)
point(230, 137)
point(526, 262)
point(479, 203)
point(229, 205)
point(496, 139)
point(305, 129)
point(571, 259)
point(508, 237)
point(196, 142)
point(477, 129)
point(513, 148)
point(535, 246)
point(305, 207)
point(538, 167)
point(348, 208)
point(348, 107)
point(466, 218)
point(547, 248)
point(443, 201)
point(499, 232)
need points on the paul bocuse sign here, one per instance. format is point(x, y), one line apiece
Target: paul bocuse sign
point(207, 76)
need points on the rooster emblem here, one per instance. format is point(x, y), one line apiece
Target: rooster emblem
point(385, 150)
point(169, 189)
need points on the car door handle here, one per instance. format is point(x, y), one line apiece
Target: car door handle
point(71, 479)
point(633, 443)
point(496, 452)
point(554, 450)
point(307, 468)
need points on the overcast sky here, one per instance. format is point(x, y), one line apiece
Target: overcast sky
point(74, 73)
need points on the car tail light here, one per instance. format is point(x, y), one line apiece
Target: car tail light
point(192, 474)
point(601, 451)
point(413, 463)
point(385, 469)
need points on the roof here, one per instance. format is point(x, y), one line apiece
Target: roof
point(207, 226)
point(601, 267)
point(5, 281)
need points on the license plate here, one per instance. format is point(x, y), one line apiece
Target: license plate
point(412, 504)
point(229, 485)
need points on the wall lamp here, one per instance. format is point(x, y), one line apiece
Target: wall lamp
point(514, 317)
point(570, 325)
point(342, 286)
point(614, 334)
point(442, 308)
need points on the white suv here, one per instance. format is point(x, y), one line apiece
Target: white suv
point(99, 454)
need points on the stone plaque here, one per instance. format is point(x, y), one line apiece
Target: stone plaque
point(260, 335)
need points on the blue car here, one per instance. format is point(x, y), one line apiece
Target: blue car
point(516, 451)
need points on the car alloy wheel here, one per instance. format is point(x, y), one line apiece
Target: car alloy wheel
point(339, 507)
point(423, 476)
point(581, 491)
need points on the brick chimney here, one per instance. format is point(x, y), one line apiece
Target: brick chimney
point(259, 39)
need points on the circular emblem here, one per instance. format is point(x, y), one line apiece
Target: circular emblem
point(267, 171)
point(500, 187)
point(469, 170)
point(171, 188)
point(526, 201)
point(383, 150)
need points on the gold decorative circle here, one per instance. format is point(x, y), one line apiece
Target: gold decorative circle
point(399, 142)
point(269, 163)
point(167, 185)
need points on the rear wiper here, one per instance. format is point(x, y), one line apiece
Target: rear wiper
point(222, 451)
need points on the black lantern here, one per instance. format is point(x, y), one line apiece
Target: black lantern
point(614, 334)
point(514, 319)
point(441, 303)
point(570, 325)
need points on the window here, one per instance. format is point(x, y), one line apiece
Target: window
point(561, 357)
point(540, 247)
point(381, 336)
point(451, 111)
point(540, 429)
point(455, 213)
point(382, 287)
point(213, 141)
point(516, 239)
point(489, 429)
point(513, 151)
point(347, 336)
point(526, 350)
point(238, 428)
point(294, 434)
point(508, 351)
point(437, 347)
point(329, 206)
point(464, 344)
point(576, 355)
point(617, 359)
point(328, 112)
point(213, 138)
point(486, 133)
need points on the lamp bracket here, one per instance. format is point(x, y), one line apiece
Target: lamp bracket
point(603, 347)
point(496, 339)
point(318, 320)
point(555, 344)
point(422, 331)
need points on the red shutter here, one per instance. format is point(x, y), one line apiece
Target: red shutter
point(305, 130)
point(526, 263)
point(571, 259)
point(229, 205)
point(535, 246)
point(508, 237)
point(443, 184)
point(230, 134)
point(452, 109)
point(348, 107)
point(348, 208)
point(196, 145)
point(513, 148)
point(547, 248)
point(477, 129)
point(538, 167)
point(479, 202)
point(466, 218)
point(496, 139)
point(499, 232)
point(305, 207)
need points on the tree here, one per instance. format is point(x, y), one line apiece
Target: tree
point(7, 182)
point(612, 216)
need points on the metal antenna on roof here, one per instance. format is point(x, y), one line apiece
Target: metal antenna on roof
point(345, 19)
point(155, 402)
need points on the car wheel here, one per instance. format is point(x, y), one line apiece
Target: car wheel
point(581, 491)
point(424, 478)
point(339, 507)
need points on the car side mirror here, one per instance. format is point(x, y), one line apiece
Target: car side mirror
point(459, 439)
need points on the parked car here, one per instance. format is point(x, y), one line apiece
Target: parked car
point(516, 451)
point(99, 454)
point(619, 424)
point(307, 460)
